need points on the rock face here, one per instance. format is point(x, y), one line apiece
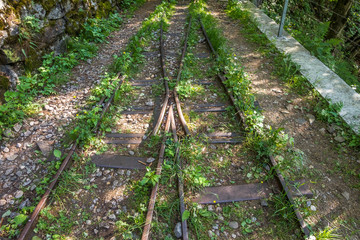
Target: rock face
point(55, 20)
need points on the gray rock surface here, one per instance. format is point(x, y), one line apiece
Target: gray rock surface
point(234, 225)
point(177, 230)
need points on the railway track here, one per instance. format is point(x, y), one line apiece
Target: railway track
point(167, 115)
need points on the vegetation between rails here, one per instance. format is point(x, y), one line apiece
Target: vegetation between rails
point(262, 139)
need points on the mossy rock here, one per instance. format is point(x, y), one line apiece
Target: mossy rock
point(33, 60)
point(104, 9)
point(11, 54)
point(75, 21)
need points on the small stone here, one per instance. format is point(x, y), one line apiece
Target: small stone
point(104, 224)
point(339, 139)
point(25, 203)
point(264, 203)
point(27, 133)
point(112, 217)
point(17, 127)
point(300, 121)
point(150, 103)
point(322, 131)
point(9, 171)
point(96, 231)
point(233, 235)
point(253, 219)
point(128, 172)
point(346, 195)
point(290, 107)
point(313, 208)
point(131, 153)
point(284, 111)
point(18, 145)
point(311, 118)
point(12, 157)
point(45, 147)
point(2, 202)
point(331, 129)
point(211, 208)
point(6, 150)
point(8, 133)
point(234, 225)
point(177, 230)
point(276, 90)
point(19, 194)
point(150, 160)
point(19, 173)
point(211, 234)
point(47, 107)
point(215, 226)
point(308, 203)
point(88, 222)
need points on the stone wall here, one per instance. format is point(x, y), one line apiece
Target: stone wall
point(31, 28)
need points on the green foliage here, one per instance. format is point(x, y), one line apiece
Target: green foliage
point(55, 225)
point(309, 26)
point(57, 153)
point(326, 234)
point(96, 30)
point(150, 178)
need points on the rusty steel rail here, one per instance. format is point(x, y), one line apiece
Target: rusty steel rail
point(164, 75)
point(185, 234)
point(30, 223)
point(280, 177)
point(177, 101)
point(223, 79)
point(151, 206)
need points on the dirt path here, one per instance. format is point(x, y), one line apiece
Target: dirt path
point(336, 199)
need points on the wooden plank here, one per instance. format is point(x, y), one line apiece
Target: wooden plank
point(223, 134)
point(210, 109)
point(226, 141)
point(253, 191)
point(125, 135)
point(118, 161)
point(233, 193)
point(137, 112)
point(127, 141)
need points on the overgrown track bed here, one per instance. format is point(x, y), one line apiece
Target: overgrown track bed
point(212, 113)
point(168, 153)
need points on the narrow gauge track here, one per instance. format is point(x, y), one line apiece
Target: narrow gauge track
point(232, 138)
point(163, 112)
